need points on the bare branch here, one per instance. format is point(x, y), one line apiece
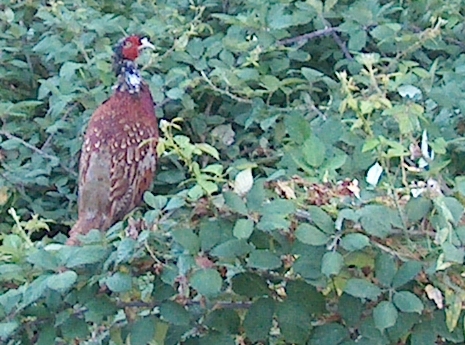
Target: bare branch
point(309, 36)
point(224, 92)
point(37, 150)
point(342, 45)
point(65, 115)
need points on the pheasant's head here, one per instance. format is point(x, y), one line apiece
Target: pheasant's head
point(129, 47)
point(125, 53)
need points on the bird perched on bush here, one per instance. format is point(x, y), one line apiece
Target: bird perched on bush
point(118, 157)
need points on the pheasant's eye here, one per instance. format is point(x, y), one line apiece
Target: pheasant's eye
point(127, 44)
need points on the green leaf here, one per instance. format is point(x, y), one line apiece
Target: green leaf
point(208, 149)
point(329, 334)
point(375, 220)
point(90, 254)
point(214, 232)
point(232, 248)
point(47, 335)
point(119, 282)
point(258, 320)
point(298, 128)
point(406, 273)
point(321, 219)
point(175, 203)
point(278, 207)
point(332, 264)
point(408, 302)
point(357, 40)
point(243, 228)
point(7, 329)
point(226, 321)
point(175, 93)
point(314, 151)
point(142, 331)
point(263, 259)
point(271, 222)
point(69, 68)
point(362, 289)
point(385, 315)
point(307, 295)
point(35, 290)
point(207, 282)
point(370, 144)
point(294, 322)
point(187, 239)
point(417, 208)
point(157, 202)
point(344, 214)
point(125, 250)
point(385, 31)
point(385, 269)
point(403, 327)
point(11, 271)
point(308, 234)
point(455, 208)
point(250, 285)
point(452, 253)
point(256, 196)
point(351, 309)
point(312, 75)
point(174, 313)
point(62, 281)
point(99, 308)
point(235, 203)
point(43, 259)
point(353, 242)
point(460, 184)
point(213, 338)
point(424, 334)
point(75, 327)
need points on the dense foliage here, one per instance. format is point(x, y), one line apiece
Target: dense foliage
point(310, 186)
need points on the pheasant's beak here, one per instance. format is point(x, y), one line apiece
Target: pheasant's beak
point(146, 44)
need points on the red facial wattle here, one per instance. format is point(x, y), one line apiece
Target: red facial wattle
point(131, 47)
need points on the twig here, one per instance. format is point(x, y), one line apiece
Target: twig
point(65, 115)
point(218, 305)
point(337, 39)
point(388, 250)
point(162, 103)
point(224, 92)
point(309, 36)
point(342, 45)
point(37, 150)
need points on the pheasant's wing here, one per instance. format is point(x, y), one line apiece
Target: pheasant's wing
point(94, 176)
point(131, 174)
point(133, 151)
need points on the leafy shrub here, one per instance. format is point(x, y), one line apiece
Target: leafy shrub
point(309, 188)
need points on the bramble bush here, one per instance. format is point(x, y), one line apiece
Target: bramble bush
point(310, 187)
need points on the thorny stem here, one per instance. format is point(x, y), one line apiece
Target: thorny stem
point(224, 92)
point(37, 150)
point(311, 35)
point(396, 201)
point(20, 229)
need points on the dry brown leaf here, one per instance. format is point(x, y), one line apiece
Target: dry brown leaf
point(283, 188)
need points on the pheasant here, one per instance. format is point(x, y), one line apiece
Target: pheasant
point(118, 156)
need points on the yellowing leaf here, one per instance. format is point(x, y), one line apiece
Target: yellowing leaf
point(243, 182)
point(435, 294)
point(374, 173)
point(208, 149)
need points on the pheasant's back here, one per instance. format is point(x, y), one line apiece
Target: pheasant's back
point(118, 160)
